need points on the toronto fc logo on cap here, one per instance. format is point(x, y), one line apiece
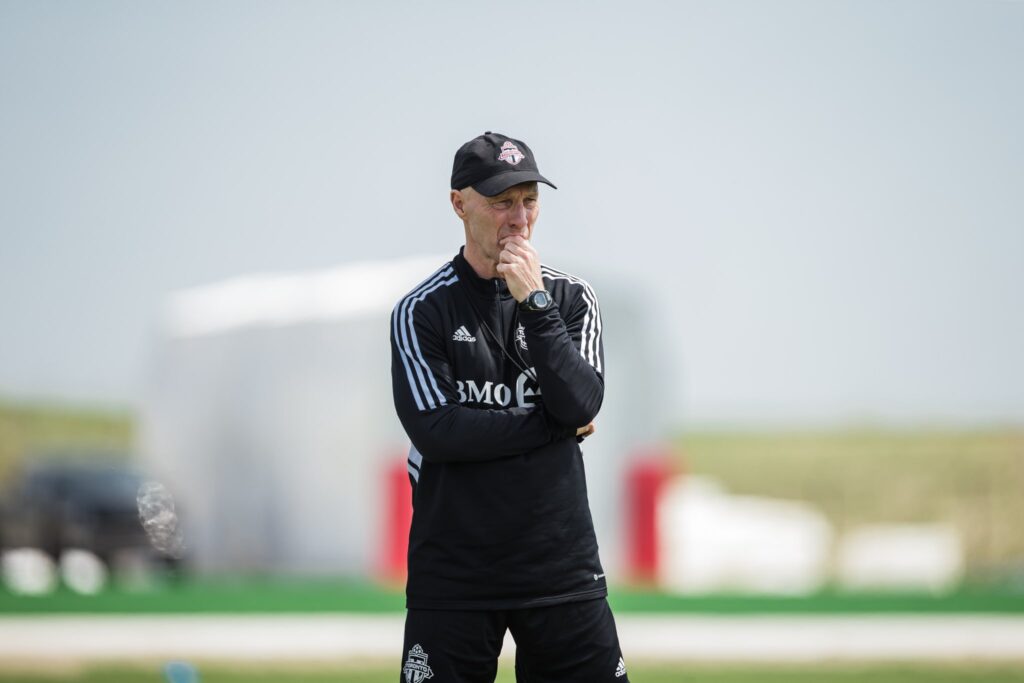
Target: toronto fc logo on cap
point(416, 669)
point(511, 154)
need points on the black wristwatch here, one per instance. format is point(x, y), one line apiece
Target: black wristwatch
point(537, 300)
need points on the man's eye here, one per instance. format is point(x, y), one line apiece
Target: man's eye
point(502, 205)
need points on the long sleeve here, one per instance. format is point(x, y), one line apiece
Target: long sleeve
point(568, 354)
point(426, 400)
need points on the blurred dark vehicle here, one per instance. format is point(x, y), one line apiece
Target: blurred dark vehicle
point(59, 505)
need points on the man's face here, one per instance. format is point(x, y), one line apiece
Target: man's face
point(489, 220)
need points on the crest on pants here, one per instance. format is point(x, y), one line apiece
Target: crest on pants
point(416, 669)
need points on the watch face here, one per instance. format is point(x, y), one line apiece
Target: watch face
point(540, 299)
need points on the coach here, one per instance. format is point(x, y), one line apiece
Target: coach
point(498, 372)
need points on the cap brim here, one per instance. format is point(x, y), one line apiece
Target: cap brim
point(497, 184)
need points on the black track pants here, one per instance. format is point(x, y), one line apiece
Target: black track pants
point(574, 641)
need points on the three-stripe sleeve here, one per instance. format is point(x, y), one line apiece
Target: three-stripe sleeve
point(421, 380)
point(567, 353)
point(585, 317)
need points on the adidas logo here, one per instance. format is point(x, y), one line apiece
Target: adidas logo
point(620, 670)
point(462, 334)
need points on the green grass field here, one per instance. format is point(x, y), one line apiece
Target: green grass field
point(695, 673)
point(318, 596)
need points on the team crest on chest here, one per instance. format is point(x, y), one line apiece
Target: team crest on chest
point(511, 154)
point(416, 669)
point(521, 336)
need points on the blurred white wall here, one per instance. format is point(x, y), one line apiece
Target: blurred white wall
point(710, 541)
point(269, 413)
point(901, 557)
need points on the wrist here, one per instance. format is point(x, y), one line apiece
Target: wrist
point(557, 429)
point(537, 300)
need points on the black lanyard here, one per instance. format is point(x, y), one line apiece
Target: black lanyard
point(521, 363)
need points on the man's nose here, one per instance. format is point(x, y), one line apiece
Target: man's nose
point(518, 216)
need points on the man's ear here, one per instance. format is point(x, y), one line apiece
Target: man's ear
point(458, 203)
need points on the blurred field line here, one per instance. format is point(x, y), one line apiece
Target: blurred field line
point(649, 637)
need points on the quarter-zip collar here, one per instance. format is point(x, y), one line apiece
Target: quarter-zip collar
point(485, 288)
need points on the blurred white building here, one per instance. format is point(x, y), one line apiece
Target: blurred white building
point(268, 412)
point(714, 541)
point(901, 557)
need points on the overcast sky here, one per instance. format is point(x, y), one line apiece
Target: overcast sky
point(828, 195)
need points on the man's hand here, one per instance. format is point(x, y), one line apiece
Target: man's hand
point(584, 432)
point(519, 264)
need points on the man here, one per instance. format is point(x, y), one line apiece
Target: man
point(498, 372)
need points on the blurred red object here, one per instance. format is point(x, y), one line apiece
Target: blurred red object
point(397, 520)
point(646, 476)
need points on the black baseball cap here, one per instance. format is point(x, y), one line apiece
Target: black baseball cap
point(491, 163)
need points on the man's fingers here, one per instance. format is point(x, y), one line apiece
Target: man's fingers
point(518, 245)
point(519, 266)
point(518, 241)
point(509, 256)
point(586, 430)
point(514, 249)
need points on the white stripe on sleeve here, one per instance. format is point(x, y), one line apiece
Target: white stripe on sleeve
point(590, 334)
point(421, 366)
point(415, 457)
point(416, 384)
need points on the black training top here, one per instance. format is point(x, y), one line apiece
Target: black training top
point(500, 512)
